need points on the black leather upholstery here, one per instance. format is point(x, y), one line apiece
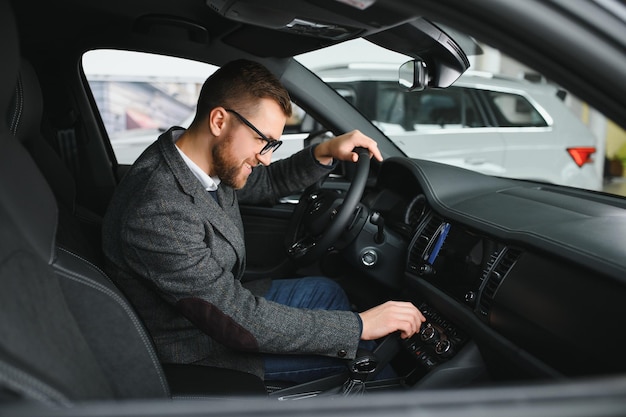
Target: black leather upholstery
point(114, 333)
point(9, 48)
point(79, 229)
point(67, 334)
point(64, 326)
point(25, 124)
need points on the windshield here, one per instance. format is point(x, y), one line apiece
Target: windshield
point(500, 118)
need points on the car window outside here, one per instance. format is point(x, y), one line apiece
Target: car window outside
point(137, 104)
point(140, 95)
point(513, 110)
point(501, 118)
point(391, 107)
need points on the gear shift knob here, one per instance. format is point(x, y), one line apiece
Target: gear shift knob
point(362, 367)
point(360, 370)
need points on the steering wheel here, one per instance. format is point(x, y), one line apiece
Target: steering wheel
point(322, 215)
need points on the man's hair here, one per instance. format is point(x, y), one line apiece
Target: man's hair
point(239, 85)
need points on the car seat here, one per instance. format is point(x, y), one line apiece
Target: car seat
point(53, 348)
point(68, 334)
point(79, 228)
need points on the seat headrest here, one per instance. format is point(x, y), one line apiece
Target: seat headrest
point(9, 48)
point(24, 193)
point(27, 106)
point(25, 124)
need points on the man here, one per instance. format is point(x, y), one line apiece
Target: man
point(173, 240)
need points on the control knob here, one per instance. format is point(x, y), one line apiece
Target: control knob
point(444, 348)
point(429, 334)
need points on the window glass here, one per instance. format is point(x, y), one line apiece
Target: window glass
point(347, 92)
point(497, 91)
point(390, 103)
point(442, 108)
point(141, 95)
point(513, 110)
point(393, 109)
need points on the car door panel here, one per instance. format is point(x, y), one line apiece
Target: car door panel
point(265, 229)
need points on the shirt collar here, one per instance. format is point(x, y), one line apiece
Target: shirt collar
point(209, 183)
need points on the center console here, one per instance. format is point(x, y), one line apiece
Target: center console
point(437, 342)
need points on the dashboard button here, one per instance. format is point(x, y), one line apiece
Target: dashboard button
point(369, 258)
point(444, 348)
point(429, 334)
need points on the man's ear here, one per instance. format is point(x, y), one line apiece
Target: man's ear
point(217, 120)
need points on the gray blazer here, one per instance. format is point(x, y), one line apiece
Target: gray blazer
point(179, 257)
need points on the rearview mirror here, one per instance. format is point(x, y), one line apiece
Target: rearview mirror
point(413, 75)
point(438, 60)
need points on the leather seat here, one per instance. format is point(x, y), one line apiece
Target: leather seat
point(80, 229)
point(68, 334)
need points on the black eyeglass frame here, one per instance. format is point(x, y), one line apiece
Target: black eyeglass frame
point(271, 145)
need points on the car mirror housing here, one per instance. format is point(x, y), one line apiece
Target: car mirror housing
point(413, 75)
point(438, 59)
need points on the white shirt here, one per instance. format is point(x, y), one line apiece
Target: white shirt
point(209, 183)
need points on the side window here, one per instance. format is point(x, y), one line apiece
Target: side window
point(141, 95)
point(513, 110)
point(295, 133)
point(395, 110)
point(450, 108)
point(437, 109)
point(390, 104)
point(294, 123)
point(348, 93)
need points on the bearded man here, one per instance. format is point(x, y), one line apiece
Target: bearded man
point(173, 241)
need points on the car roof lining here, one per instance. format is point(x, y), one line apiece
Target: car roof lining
point(188, 17)
point(112, 23)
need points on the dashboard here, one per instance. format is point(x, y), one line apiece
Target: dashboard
point(512, 271)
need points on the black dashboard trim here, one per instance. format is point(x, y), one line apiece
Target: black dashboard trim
point(480, 332)
point(587, 231)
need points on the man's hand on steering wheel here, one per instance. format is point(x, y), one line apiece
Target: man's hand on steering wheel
point(342, 148)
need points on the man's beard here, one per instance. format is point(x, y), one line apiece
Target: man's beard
point(225, 167)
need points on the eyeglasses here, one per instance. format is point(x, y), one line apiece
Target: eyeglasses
point(271, 145)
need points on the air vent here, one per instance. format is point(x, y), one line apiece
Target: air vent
point(420, 244)
point(416, 211)
point(503, 265)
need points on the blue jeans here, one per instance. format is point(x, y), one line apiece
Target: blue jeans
point(310, 293)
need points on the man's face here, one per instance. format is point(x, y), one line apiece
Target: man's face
point(238, 152)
